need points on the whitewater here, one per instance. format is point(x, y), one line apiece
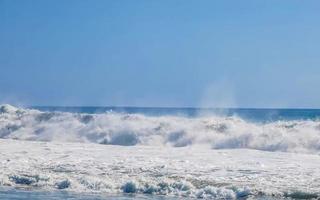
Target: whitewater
point(204, 156)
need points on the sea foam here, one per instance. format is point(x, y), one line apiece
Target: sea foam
point(124, 129)
point(186, 172)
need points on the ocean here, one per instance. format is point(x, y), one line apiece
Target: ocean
point(252, 114)
point(158, 153)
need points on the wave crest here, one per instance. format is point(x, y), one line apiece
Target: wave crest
point(178, 131)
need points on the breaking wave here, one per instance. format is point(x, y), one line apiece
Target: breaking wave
point(112, 128)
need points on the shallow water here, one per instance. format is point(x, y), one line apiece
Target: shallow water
point(174, 172)
point(20, 194)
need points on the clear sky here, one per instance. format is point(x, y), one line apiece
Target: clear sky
point(220, 53)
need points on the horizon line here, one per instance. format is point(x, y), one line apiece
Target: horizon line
point(175, 107)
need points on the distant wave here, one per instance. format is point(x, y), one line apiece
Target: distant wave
point(112, 128)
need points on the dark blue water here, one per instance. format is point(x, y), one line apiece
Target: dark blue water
point(245, 113)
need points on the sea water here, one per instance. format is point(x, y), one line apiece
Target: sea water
point(254, 114)
point(164, 153)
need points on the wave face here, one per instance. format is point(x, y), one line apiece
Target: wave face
point(113, 128)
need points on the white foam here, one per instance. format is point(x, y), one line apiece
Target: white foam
point(183, 172)
point(136, 129)
point(6, 108)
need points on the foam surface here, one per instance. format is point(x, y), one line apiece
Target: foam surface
point(215, 132)
point(181, 172)
point(211, 157)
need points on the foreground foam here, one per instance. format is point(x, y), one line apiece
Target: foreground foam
point(182, 172)
point(178, 131)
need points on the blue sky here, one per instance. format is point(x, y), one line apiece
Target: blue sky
point(245, 53)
